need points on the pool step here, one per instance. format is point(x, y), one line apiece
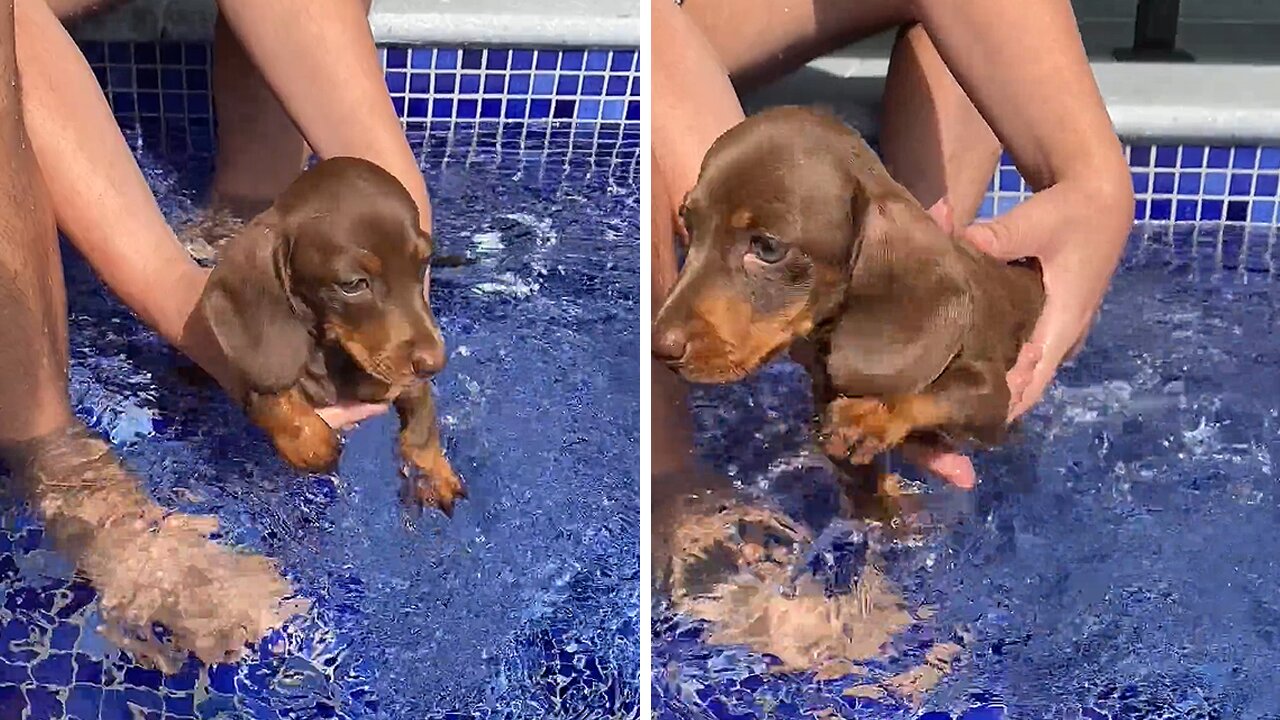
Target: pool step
point(570, 23)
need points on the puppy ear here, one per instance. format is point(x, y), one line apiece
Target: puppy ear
point(682, 227)
point(908, 303)
point(261, 328)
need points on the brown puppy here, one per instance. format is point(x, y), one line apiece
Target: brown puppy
point(797, 233)
point(321, 299)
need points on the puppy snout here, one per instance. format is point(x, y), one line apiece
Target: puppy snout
point(428, 361)
point(669, 343)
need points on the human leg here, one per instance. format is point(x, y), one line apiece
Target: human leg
point(33, 305)
point(335, 39)
point(932, 138)
point(148, 565)
point(682, 132)
point(99, 197)
point(260, 150)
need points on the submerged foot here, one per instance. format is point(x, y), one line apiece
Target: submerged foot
point(151, 567)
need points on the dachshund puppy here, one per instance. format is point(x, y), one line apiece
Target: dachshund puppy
point(798, 238)
point(322, 299)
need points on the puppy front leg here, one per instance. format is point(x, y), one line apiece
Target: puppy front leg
point(969, 396)
point(431, 480)
point(302, 438)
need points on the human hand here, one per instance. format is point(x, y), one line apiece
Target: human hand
point(1078, 235)
point(346, 415)
point(198, 343)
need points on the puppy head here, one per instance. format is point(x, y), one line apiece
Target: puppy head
point(775, 224)
point(339, 258)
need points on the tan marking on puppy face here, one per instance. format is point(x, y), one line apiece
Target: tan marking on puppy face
point(726, 342)
point(742, 219)
point(370, 348)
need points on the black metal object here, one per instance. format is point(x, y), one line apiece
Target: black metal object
point(1155, 34)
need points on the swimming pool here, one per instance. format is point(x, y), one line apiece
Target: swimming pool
point(1118, 561)
point(524, 605)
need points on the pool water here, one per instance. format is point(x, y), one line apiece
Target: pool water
point(524, 605)
point(1119, 560)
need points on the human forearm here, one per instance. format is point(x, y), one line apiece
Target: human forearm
point(99, 196)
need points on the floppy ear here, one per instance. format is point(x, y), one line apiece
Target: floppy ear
point(248, 304)
point(908, 303)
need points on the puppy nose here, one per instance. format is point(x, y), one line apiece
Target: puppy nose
point(428, 361)
point(668, 343)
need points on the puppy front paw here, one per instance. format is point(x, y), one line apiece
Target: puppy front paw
point(310, 445)
point(858, 429)
point(300, 436)
point(430, 480)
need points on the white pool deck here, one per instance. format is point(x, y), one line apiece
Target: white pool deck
point(1231, 94)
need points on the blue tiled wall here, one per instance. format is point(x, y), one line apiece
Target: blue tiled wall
point(501, 84)
point(1238, 184)
point(561, 101)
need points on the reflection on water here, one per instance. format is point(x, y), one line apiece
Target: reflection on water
point(1118, 559)
point(754, 577)
point(524, 605)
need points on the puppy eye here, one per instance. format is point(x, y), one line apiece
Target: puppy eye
point(351, 288)
point(768, 249)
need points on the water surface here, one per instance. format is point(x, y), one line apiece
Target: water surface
point(524, 605)
point(1120, 559)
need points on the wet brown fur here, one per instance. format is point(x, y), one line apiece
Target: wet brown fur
point(907, 331)
point(280, 304)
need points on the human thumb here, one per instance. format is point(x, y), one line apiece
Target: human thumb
point(1020, 233)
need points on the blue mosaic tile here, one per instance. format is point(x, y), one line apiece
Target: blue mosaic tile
point(422, 59)
point(1237, 211)
point(12, 701)
point(64, 637)
point(144, 699)
point(1161, 209)
point(44, 703)
point(170, 53)
point(1209, 210)
point(1219, 157)
point(1179, 183)
point(83, 702)
point(991, 712)
point(1263, 212)
point(1185, 210)
point(1245, 158)
point(395, 58)
point(115, 706)
point(497, 59)
point(180, 705)
point(14, 673)
point(87, 669)
point(55, 669)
